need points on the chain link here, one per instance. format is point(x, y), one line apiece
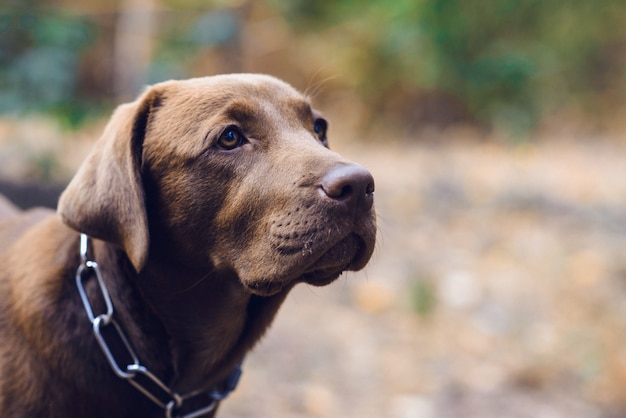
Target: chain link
point(136, 374)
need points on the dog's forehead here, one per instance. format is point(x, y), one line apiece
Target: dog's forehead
point(241, 96)
point(218, 90)
point(189, 109)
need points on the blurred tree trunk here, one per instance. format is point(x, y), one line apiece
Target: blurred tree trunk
point(133, 46)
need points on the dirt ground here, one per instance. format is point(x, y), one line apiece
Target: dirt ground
point(498, 288)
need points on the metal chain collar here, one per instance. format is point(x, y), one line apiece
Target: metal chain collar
point(108, 332)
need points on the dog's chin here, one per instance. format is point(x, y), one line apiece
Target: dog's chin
point(265, 288)
point(321, 277)
point(347, 254)
point(350, 253)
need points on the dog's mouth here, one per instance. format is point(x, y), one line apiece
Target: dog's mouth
point(350, 253)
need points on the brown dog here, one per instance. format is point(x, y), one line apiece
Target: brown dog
point(206, 201)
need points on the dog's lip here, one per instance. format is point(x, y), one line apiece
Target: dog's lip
point(349, 253)
point(362, 256)
point(322, 272)
point(322, 277)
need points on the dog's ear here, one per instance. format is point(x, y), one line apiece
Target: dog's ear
point(105, 199)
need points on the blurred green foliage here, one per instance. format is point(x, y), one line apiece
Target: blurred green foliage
point(182, 38)
point(40, 55)
point(501, 63)
point(510, 62)
point(423, 297)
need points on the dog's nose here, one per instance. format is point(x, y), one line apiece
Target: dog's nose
point(350, 184)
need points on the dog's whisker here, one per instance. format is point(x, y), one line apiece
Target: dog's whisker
point(195, 284)
point(311, 82)
point(314, 86)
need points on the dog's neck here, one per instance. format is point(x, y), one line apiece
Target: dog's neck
point(211, 320)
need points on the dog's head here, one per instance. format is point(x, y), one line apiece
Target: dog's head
point(227, 172)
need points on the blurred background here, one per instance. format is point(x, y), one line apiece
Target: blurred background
point(495, 131)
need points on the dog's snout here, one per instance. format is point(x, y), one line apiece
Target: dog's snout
point(351, 184)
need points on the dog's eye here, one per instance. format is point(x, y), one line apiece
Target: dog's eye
point(320, 127)
point(231, 138)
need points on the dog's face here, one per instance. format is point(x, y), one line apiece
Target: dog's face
point(241, 171)
point(235, 173)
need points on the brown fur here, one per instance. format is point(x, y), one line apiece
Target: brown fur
point(198, 245)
